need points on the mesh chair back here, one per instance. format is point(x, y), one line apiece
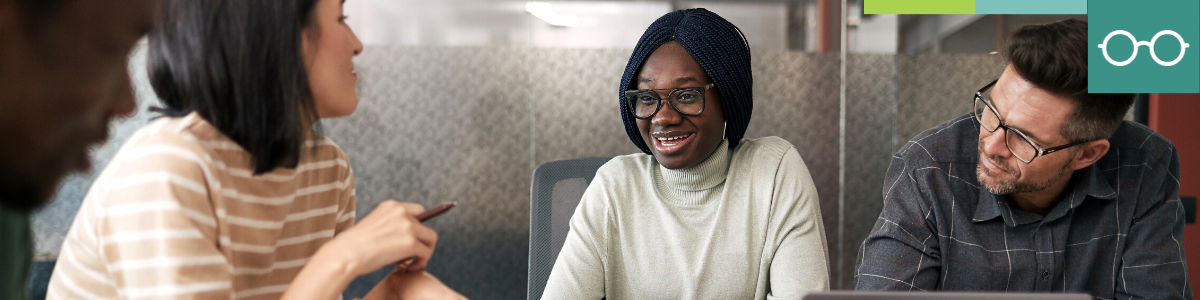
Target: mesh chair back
point(556, 190)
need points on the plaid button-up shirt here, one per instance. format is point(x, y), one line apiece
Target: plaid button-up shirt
point(1115, 233)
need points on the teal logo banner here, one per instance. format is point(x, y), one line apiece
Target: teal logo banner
point(1143, 46)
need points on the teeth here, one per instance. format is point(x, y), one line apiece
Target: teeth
point(674, 138)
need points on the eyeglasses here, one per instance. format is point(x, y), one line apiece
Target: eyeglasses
point(688, 101)
point(1018, 143)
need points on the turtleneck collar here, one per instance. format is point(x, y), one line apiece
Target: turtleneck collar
point(704, 175)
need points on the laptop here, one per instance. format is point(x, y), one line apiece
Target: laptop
point(852, 295)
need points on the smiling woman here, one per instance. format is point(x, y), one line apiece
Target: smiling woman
point(685, 132)
point(232, 194)
point(707, 214)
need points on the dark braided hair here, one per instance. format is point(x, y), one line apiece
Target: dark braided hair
point(718, 46)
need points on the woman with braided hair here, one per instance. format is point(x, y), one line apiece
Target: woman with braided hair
point(703, 213)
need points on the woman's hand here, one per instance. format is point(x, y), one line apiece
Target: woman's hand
point(388, 235)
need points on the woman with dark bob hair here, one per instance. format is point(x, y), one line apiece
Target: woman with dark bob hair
point(704, 213)
point(232, 194)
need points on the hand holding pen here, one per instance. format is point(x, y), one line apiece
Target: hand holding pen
point(389, 233)
point(430, 214)
point(393, 232)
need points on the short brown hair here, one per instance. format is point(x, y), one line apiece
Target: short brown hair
point(1054, 58)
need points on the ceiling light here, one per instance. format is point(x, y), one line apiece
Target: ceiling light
point(545, 11)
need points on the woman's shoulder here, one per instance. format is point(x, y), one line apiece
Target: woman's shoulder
point(624, 173)
point(768, 157)
point(166, 135)
point(192, 134)
point(764, 149)
point(625, 166)
point(324, 148)
point(174, 145)
point(322, 152)
point(159, 154)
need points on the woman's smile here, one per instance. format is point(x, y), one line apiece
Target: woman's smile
point(669, 142)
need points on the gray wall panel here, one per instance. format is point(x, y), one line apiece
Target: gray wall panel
point(796, 98)
point(870, 122)
point(935, 88)
point(449, 125)
point(575, 103)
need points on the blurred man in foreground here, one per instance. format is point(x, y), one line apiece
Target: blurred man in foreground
point(63, 78)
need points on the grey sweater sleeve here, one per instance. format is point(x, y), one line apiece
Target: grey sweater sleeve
point(801, 261)
point(578, 272)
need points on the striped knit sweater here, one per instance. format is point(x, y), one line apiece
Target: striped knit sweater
point(178, 214)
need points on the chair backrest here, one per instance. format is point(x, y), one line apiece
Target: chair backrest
point(555, 192)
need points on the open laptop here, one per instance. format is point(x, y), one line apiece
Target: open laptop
point(851, 295)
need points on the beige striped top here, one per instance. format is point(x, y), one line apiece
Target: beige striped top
point(178, 214)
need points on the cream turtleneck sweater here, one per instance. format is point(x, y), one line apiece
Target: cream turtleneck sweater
point(745, 223)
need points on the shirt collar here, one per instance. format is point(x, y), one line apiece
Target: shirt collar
point(1086, 182)
point(1096, 185)
point(989, 206)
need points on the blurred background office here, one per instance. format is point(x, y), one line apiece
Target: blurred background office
point(462, 99)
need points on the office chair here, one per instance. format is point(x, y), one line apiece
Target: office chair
point(555, 192)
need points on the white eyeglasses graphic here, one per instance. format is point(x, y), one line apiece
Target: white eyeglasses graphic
point(1137, 44)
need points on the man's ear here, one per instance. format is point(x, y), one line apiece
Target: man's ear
point(1088, 154)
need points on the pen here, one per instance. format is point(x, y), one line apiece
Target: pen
point(436, 211)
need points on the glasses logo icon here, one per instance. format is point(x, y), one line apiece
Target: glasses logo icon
point(1138, 44)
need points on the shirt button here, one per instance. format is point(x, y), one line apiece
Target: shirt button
point(1045, 274)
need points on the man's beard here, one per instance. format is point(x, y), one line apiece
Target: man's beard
point(1012, 185)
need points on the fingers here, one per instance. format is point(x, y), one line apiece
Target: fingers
point(428, 238)
point(394, 208)
point(403, 265)
point(396, 222)
point(410, 208)
point(419, 254)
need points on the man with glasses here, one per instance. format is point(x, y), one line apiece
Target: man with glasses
point(1041, 188)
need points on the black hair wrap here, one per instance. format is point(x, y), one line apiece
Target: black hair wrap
point(718, 46)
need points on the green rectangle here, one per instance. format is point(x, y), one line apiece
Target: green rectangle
point(919, 7)
point(1138, 56)
point(1031, 7)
